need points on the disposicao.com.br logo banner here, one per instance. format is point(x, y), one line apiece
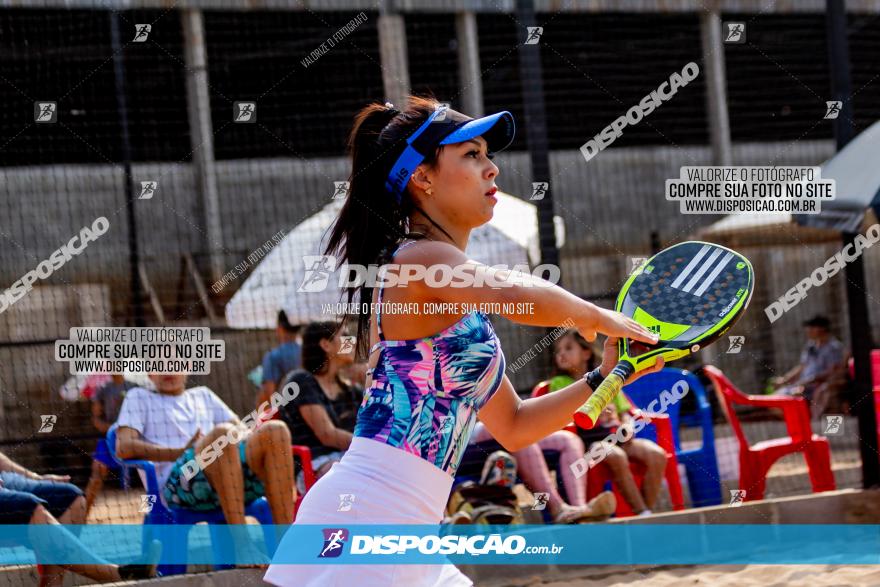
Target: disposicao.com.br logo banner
point(583, 544)
point(615, 544)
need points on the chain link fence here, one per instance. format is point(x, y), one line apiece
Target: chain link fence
point(146, 131)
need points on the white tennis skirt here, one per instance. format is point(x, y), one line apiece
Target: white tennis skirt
point(389, 486)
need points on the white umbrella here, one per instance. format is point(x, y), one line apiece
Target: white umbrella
point(741, 230)
point(857, 189)
point(510, 238)
point(857, 178)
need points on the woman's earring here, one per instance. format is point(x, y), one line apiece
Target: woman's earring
point(429, 191)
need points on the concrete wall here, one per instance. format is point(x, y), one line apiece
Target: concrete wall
point(609, 206)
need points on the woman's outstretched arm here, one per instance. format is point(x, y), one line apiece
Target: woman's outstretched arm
point(536, 302)
point(515, 422)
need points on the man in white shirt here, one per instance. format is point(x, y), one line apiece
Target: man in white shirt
point(177, 427)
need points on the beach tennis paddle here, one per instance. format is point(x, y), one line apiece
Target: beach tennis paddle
point(690, 295)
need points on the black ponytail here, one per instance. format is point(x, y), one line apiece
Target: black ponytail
point(371, 222)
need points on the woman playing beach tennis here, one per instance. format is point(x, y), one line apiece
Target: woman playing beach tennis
point(422, 180)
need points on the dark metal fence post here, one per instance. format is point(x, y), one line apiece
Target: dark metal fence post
point(532, 84)
point(122, 107)
point(860, 329)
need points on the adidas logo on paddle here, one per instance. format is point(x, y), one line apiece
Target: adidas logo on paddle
point(697, 268)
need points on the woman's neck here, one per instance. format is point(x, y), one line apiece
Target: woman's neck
point(457, 237)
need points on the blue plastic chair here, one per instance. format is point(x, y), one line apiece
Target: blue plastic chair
point(701, 463)
point(122, 472)
point(221, 546)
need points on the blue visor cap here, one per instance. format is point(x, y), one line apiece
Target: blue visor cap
point(445, 127)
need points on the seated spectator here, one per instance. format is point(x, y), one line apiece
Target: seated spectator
point(573, 357)
point(323, 414)
point(174, 424)
point(29, 498)
point(281, 360)
point(105, 409)
point(532, 468)
point(821, 372)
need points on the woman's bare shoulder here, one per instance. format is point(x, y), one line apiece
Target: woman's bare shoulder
point(428, 252)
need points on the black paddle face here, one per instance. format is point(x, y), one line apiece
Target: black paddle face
point(690, 294)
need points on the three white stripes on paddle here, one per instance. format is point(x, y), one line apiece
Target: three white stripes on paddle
point(703, 268)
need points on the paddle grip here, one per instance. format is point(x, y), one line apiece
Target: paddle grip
point(587, 415)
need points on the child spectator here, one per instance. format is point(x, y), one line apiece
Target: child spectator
point(105, 409)
point(573, 357)
point(174, 424)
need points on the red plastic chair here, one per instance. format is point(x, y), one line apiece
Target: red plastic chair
point(755, 460)
point(304, 454)
point(600, 475)
point(875, 376)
